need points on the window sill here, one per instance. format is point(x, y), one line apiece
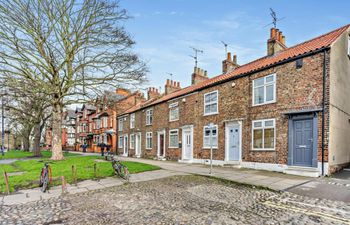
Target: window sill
point(173, 147)
point(173, 120)
point(263, 149)
point(267, 103)
point(148, 124)
point(149, 148)
point(208, 148)
point(211, 114)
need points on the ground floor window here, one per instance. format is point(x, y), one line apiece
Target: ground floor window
point(264, 134)
point(173, 138)
point(132, 141)
point(121, 142)
point(149, 140)
point(210, 139)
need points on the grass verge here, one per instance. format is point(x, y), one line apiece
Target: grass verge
point(22, 154)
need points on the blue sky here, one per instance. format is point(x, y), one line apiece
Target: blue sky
point(165, 29)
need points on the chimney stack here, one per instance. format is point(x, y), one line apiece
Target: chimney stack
point(229, 64)
point(152, 93)
point(276, 42)
point(171, 86)
point(199, 75)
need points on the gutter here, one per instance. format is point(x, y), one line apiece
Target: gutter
point(323, 107)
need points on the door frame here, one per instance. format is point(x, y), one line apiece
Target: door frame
point(126, 145)
point(137, 144)
point(227, 125)
point(291, 120)
point(186, 128)
point(162, 132)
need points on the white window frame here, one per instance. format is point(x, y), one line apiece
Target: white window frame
point(132, 120)
point(263, 134)
point(177, 131)
point(274, 83)
point(174, 106)
point(132, 141)
point(121, 143)
point(120, 124)
point(217, 138)
point(210, 103)
point(149, 116)
point(149, 135)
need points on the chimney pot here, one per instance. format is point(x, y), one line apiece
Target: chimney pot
point(273, 33)
point(235, 59)
point(283, 40)
point(229, 56)
point(205, 73)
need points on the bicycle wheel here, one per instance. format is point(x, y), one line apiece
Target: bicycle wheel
point(126, 173)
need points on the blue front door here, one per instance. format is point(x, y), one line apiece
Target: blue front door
point(303, 142)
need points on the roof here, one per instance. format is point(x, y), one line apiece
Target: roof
point(306, 47)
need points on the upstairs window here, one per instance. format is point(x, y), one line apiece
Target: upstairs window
point(264, 134)
point(132, 121)
point(264, 90)
point(174, 111)
point(105, 122)
point(211, 103)
point(210, 139)
point(149, 116)
point(120, 124)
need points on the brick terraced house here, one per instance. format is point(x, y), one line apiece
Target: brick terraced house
point(288, 111)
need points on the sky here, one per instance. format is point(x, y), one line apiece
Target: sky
point(164, 31)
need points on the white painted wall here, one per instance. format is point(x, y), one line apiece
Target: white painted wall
point(339, 137)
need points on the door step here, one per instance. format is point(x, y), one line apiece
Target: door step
point(232, 164)
point(302, 171)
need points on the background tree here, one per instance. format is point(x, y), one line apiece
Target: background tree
point(69, 50)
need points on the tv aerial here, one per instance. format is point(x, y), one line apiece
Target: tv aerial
point(195, 57)
point(274, 18)
point(171, 76)
point(225, 45)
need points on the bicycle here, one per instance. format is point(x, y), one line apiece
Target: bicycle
point(120, 169)
point(45, 177)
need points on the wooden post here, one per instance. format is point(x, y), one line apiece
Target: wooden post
point(74, 175)
point(7, 183)
point(63, 184)
point(95, 170)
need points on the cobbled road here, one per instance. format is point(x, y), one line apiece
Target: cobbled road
point(179, 200)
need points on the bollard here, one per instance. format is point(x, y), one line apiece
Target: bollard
point(7, 183)
point(63, 184)
point(74, 174)
point(95, 169)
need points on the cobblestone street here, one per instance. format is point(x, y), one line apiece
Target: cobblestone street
point(179, 200)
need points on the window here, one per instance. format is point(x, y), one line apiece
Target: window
point(174, 111)
point(98, 124)
point(211, 103)
point(264, 90)
point(132, 141)
point(264, 134)
point(120, 124)
point(149, 116)
point(121, 142)
point(105, 122)
point(132, 121)
point(214, 137)
point(149, 140)
point(173, 138)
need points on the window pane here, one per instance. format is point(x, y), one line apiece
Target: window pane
point(259, 82)
point(269, 138)
point(257, 124)
point(207, 109)
point(259, 95)
point(257, 138)
point(269, 123)
point(207, 98)
point(214, 132)
point(270, 79)
point(269, 93)
point(213, 97)
point(214, 141)
point(206, 142)
point(213, 108)
point(207, 132)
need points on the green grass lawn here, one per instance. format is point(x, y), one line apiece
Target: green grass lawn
point(84, 165)
point(22, 154)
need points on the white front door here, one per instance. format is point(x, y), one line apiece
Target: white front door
point(126, 146)
point(187, 143)
point(233, 141)
point(138, 144)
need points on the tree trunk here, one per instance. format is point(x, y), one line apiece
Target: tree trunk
point(37, 137)
point(57, 153)
point(26, 138)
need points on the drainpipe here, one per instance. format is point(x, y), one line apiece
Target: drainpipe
point(323, 107)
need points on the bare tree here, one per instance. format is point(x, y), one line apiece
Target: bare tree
point(68, 50)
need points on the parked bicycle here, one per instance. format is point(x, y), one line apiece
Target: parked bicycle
point(120, 169)
point(45, 177)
